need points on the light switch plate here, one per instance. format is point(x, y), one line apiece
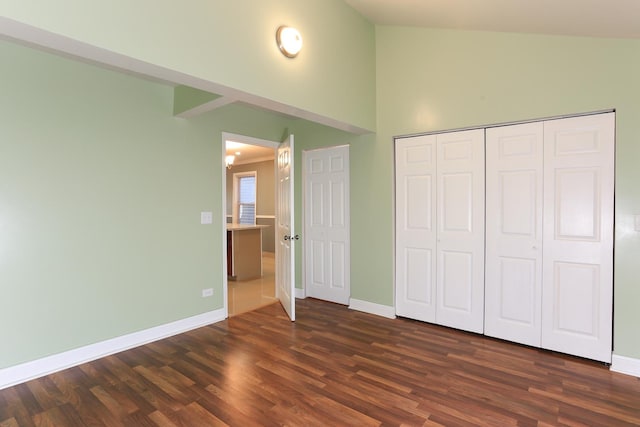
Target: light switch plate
point(636, 220)
point(206, 217)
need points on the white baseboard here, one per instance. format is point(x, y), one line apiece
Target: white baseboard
point(373, 308)
point(17, 374)
point(625, 365)
point(300, 293)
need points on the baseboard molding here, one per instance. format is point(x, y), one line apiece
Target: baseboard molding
point(17, 374)
point(300, 293)
point(373, 308)
point(625, 365)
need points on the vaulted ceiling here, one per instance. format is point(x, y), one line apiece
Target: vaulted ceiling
point(591, 18)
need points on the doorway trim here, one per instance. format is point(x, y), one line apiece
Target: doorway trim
point(244, 140)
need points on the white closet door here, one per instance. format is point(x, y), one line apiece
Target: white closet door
point(578, 236)
point(460, 230)
point(415, 227)
point(513, 279)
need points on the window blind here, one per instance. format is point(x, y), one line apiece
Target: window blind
point(247, 200)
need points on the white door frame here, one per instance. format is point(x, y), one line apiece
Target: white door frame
point(245, 140)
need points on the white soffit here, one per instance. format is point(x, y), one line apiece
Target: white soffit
point(37, 38)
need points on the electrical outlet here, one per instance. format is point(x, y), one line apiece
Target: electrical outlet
point(207, 292)
point(636, 220)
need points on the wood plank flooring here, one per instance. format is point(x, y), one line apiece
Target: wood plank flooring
point(332, 367)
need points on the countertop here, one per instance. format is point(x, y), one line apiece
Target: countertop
point(236, 227)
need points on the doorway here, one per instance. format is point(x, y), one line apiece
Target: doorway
point(249, 200)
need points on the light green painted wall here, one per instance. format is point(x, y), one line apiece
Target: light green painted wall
point(310, 136)
point(371, 224)
point(438, 79)
point(101, 190)
point(186, 98)
point(232, 43)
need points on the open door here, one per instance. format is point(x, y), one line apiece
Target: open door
point(285, 268)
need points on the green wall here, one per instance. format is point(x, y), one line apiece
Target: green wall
point(101, 187)
point(232, 43)
point(101, 190)
point(309, 136)
point(430, 80)
point(140, 177)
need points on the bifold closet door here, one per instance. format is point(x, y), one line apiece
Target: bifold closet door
point(513, 272)
point(415, 227)
point(460, 230)
point(578, 235)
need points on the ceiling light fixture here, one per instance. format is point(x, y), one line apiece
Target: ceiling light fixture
point(289, 41)
point(228, 161)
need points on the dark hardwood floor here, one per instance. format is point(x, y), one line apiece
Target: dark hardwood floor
point(332, 367)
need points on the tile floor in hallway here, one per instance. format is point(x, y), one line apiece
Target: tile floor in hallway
point(249, 295)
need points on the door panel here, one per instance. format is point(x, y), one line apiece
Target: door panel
point(457, 202)
point(327, 268)
point(316, 205)
point(418, 202)
point(317, 261)
point(518, 292)
point(457, 273)
point(577, 213)
point(285, 263)
point(519, 203)
point(575, 301)
point(417, 271)
point(415, 227)
point(337, 197)
point(513, 284)
point(578, 236)
point(338, 255)
point(460, 230)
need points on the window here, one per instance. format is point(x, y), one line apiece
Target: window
point(244, 192)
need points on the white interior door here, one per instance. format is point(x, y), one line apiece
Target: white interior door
point(285, 266)
point(415, 227)
point(513, 272)
point(578, 235)
point(460, 230)
point(326, 215)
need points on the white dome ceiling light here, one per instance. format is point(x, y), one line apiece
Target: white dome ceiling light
point(289, 41)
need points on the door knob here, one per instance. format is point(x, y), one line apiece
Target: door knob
point(286, 237)
point(296, 237)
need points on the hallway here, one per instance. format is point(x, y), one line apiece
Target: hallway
point(252, 294)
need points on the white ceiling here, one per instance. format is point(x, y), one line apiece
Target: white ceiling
point(248, 153)
point(596, 18)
